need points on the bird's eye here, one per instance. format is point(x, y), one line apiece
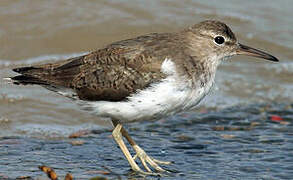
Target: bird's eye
point(219, 39)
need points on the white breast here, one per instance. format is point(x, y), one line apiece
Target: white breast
point(172, 95)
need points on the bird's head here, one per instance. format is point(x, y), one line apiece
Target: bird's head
point(215, 40)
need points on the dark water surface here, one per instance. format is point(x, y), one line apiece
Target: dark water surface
point(234, 143)
point(242, 130)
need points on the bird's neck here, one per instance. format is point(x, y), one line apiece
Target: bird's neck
point(207, 75)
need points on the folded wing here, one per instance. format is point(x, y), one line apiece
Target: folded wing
point(109, 74)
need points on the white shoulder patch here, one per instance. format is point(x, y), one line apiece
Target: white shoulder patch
point(168, 67)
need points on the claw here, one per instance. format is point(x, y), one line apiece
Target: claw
point(145, 164)
point(162, 162)
point(144, 158)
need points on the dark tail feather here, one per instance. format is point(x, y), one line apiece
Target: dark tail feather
point(55, 74)
point(29, 75)
point(24, 70)
point(24, 80)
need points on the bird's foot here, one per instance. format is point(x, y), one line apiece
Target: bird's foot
point(145, 160)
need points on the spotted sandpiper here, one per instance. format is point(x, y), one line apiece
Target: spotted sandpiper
point(147, 77)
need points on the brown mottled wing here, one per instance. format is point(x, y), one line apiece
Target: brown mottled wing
point(106, 79)
point(109, 74)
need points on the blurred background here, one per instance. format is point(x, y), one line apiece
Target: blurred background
point(43, 31)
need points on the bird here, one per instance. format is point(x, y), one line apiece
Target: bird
point(148, 77)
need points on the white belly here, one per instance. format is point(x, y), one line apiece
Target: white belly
point(172, 95)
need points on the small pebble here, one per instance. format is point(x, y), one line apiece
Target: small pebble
point(228, 136)
point(77, 143)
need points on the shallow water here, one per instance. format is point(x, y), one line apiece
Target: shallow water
point(241, 142)
point(39, 32)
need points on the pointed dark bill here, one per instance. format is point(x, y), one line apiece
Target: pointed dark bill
point(249, 51)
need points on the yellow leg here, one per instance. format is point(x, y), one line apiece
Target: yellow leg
point(140, 153)
point(118, 138)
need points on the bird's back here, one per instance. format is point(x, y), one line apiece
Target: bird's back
point(108, 74)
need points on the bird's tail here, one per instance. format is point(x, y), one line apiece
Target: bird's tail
point(29, 75)
point(59, 73)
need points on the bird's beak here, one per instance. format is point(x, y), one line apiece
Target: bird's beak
point(249, 51)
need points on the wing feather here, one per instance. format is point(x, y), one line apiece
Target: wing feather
point(109, 74)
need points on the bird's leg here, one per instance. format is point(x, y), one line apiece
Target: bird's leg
point(118, 138)
point(140, 153)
